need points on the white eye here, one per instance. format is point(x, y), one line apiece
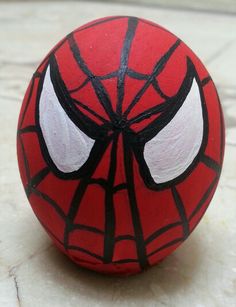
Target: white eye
point(68, 146)
point(174, 148)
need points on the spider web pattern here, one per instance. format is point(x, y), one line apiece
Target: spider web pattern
point(116, 119)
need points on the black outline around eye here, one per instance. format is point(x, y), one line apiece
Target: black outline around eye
point(157, 125)
point(84, 123)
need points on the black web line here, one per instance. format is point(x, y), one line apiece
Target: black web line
point(205, 81)
point(99, 181)
point(161, 231)
point(27, 129)
point(86, 228)
point(108, 76)
point(87, 80)
point(136, 75)
point(132, 25)
point(158, 89)
point(74, 207)
point(79, 194)
point(85, 123)
point(119, 187)
point(85, 251)
point(169, 244)
point(140, 245)
point(124, 237)
point(70, 247)
point(99, 89)
point(29, 98)
point(76, 89)
point(50, 201)
point(174, 103)
point(222, 133)
point(35, 181)
point(150, 112)
point(204, 197)
point(156, 71)
point(125, 261)
point(211, 163)
point(25, 160)
point(181, 210)
point(83, 106)
point(110, 222)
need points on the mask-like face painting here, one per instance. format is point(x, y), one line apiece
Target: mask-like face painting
point(120, 144)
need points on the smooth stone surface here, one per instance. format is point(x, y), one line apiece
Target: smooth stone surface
point(202, 272)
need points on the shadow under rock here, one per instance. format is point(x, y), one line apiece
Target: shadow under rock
point(175, 274)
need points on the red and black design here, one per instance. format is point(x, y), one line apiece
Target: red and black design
point(120, 80)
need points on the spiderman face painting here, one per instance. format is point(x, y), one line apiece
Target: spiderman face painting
point(120, 144)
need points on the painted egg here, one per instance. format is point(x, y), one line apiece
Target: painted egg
point(120, 144)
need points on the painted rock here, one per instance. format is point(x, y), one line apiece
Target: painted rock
point(120, 144)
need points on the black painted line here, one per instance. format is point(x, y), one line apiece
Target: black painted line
point(222, 131)
point(125, 260)
point(150, 112)
point(80, 191)
point(74, 207)
point(27, 129)
point(108, 76)
point(119, 187)
point(181, 210)
point(87, 228)
point(37, 74)
point(110, 221)
point(140, 245)
point(204, 198)
point(85, 251)
point(85, 123)
point(132, 25)
point(99, 181)
point(125, 237)
point(211, 163)
point(76, 89)
point(160, 65)
point(173, 105)
point(160, 231)
point(166, 246)
point(39, 177)
point(83, 106)
point(26, 163)
point(158, 89)
point(28, 100)
point(206, 80)
point(136, 75)
point(99, 89)
point(50, 201)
